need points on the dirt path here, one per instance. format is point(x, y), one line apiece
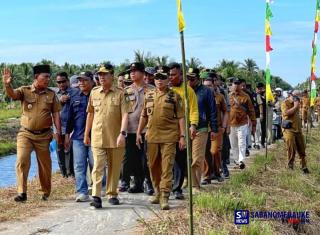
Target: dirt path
point(78, 218)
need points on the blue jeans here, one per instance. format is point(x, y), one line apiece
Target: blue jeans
point(82, 156)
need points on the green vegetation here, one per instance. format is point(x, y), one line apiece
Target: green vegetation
point(256, 189)
point(9, 125)
point(248, 70)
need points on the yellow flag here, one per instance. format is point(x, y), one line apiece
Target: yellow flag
point(269, 95)
point(181, 22)
point(318, 16)
point(268, 28)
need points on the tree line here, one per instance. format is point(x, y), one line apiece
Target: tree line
point(248, 69)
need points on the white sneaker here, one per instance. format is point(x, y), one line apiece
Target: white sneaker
point(82, 198)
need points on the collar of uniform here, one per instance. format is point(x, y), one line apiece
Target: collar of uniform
point(62, 92)
point(164, 92)
point(112, 88)
point(34, 89)
point(139, 89)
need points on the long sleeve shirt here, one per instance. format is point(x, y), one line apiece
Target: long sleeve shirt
point(193, 103)
point(76, 122)
point(207, 109)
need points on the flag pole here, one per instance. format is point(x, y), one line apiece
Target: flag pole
point(181, 25)
point(188, 142)
point(312, 81)
point(269, 95)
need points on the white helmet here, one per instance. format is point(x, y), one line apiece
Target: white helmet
point(278, 89)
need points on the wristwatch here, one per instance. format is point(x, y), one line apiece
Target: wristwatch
point(124, 133)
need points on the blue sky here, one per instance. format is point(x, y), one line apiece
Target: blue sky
point(91, 31)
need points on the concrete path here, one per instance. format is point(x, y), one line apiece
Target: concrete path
point(79, 218)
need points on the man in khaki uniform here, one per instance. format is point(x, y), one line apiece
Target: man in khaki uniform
point(292, 133)
point(39, 107)
point(317, 107)
point(305, 107)
point(212, 164)
point(164, 116)
point(107, 121)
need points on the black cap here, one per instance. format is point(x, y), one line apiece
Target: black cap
point(193, 72)
point(43, 68)
point(260, 85)
point(88, 75)
point(162, 71)
point(236, 81)
point(137, 66)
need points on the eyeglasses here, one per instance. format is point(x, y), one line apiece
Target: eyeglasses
point(60, 82)
point(160, 78)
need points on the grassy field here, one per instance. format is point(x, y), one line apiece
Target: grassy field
point(254, 189)
point(9, 124)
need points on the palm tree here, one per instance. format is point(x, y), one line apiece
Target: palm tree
point(162, 60)
point(193, 63)
point(138, 56)
point(250, 65)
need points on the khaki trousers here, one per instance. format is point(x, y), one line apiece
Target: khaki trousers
point(112, 157)
point(26, 143)
point(216, 147)
point(295, 143)
point(198, 155)
point(160, 160)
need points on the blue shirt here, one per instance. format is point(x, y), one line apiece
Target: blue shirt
point(77, 115)
point(207, 108)
point(65, 107)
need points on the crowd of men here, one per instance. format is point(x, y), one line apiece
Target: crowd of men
point(128, 133)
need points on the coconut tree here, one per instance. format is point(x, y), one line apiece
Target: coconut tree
point(193, 63)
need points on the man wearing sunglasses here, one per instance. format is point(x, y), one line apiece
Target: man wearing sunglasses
point(207, 118)
point(64, 153)
point(163, 114)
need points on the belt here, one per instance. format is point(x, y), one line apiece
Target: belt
point(38, 132)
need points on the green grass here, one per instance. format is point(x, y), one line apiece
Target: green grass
point(257, 228)
point(9, 113)
point(7, 147)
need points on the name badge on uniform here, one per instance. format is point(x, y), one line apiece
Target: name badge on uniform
point(29, 106)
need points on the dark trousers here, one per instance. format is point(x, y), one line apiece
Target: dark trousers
point(65, 159)
point(225, 156)
point(133, 162)
point(263, 131)
point(179, 169)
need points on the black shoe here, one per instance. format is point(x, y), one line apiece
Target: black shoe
point(242, 165)
point(21, 197)
point(44, 197)
point(206, 182)
point(148, 189)
point(228, 161)
point(247, 153)
point(306, 171)
point(135, 189)
point(220, 179)
point(226, 175)
point(96, 203)
point(179, 195)
point(113, 201)
point(249, 147)
point(123, 188)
